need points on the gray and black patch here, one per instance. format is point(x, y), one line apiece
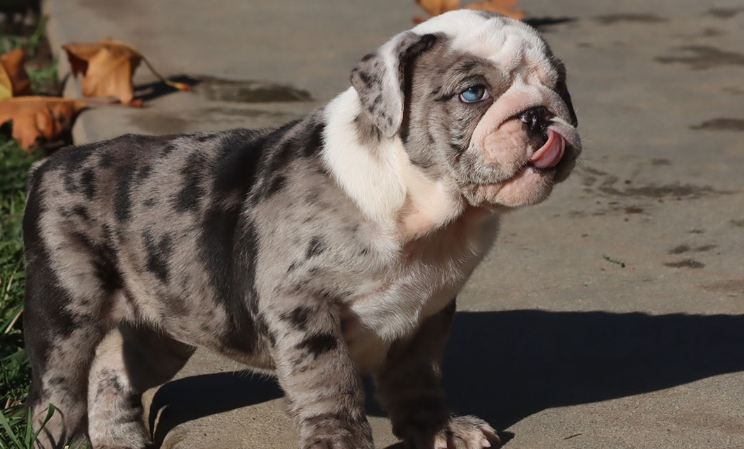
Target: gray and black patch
point(372, 79)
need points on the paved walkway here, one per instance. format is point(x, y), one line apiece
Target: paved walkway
point(557, 344)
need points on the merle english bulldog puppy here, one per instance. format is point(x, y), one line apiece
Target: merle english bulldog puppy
point(320, 251)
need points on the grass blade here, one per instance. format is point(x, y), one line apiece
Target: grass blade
point(11, 434)
point(43, 424)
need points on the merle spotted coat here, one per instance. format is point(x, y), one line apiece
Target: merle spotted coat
point(325, 249)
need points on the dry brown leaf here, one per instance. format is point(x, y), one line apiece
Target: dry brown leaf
point(505, 7)
point(437, 7)
point(35, 117)
point(14, 80)
point(107, 68)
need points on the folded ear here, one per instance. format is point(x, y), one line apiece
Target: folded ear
point(378, 79)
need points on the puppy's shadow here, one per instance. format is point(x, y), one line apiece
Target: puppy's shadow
point(506, 366)
point(157, 89)
point(544, 23)
point(195, 397)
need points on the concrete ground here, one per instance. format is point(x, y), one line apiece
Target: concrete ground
point(611, 316)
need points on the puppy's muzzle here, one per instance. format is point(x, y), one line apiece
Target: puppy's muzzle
point(549, 146)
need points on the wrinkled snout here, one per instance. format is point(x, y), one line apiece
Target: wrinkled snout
point(525, 144)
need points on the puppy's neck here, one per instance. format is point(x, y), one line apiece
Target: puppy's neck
point(378, 176)
point(429, 206)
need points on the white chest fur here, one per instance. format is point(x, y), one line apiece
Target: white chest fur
point(430, 273)
point(431, 242)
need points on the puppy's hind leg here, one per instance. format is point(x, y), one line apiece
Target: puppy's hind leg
point(60, 370)
point(128, 362)
point(60, 343)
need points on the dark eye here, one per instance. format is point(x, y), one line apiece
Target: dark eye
point(474, 94)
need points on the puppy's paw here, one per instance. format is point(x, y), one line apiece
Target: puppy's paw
point(466, 432)
point(338, 442)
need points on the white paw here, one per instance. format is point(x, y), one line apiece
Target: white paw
point(466, 432)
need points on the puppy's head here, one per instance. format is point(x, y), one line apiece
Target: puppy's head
point(479, 101)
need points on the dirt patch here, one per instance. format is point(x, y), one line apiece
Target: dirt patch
point(729, 286)
point(596, 181)
point(687, 263)
point(733, 90)
point(576, 214)
point(737, 223)
point(612, 19)
point(594, 171)
point(712, 32)
point(703, 57)
point(721, 124)
point(704, 248)
point(724, 13)
point(679, 191)
point(681, 249)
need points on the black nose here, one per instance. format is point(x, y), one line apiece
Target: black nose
point(535, 120)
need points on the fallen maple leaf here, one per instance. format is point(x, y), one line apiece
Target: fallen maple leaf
point(505, 7)
point(14, 80)
point(107, 68)
point(35, 117)
point(437, 7)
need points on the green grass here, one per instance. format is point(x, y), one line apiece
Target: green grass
point(14, 376)
point(41, 71)
point(30, 43)
point(15, 433)
point(15, 371)
point(44, 79)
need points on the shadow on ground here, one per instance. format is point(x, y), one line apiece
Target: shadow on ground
point(195, 397)
point(157, 89)
point(506, 366)
point(544, 23)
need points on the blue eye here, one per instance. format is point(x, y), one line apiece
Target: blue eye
point(474, 94)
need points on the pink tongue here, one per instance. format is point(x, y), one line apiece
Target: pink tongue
point(551, 153)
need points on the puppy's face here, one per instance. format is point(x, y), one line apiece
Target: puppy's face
point(484, 106)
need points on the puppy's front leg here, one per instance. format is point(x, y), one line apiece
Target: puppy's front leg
point(409, 388)
point(317, 374)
